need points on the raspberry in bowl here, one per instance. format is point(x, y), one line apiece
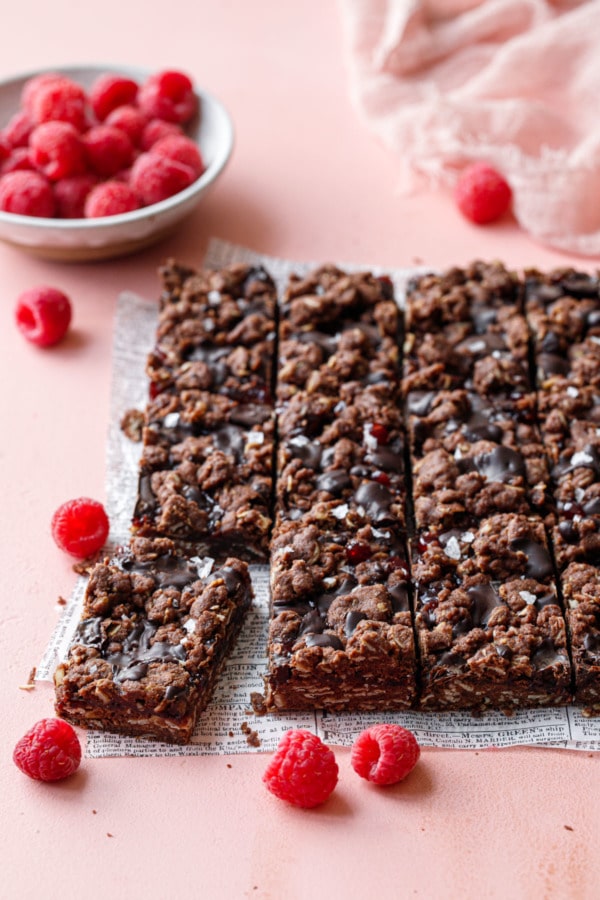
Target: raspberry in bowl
point(69, 131)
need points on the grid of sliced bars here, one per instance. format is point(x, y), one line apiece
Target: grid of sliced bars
point(425, 485)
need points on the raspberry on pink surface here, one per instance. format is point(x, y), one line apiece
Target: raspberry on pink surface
point(70, 195)
point(302, 771)
point(50, 751)
point(43, 315)
point(385, 754)
point(60, 99)
point(155, 178)
point(110, 198)
point(56, 150)
point(130, 120)
point(80, 527)
point(107, 149)
point(110, 91)
point(183, 150)
point(157, 129)
point(482, 194)
point(27, 194)
point(168, 95)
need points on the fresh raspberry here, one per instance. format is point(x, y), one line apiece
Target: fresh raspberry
point(33, 85)
point(302, 771)
point(110, 91)
point(181, 149)
point(482, 194)
point(110, 198)
point(59, 99)
point(154, 178)
point(49, 751)
point(43, 315)
point(385, 754)
point(19, 158)
point(80, 527)
point(157, 129)
point(130, 120)
point(70, 195)
point(56, 150)
point(168, 95)
point(18, 129)
point(107, 149)
point(27, 194)
point(5, 148)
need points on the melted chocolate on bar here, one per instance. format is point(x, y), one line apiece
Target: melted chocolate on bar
point(500, 464)
point(476, 422)
point(137, 652)
point(138, 649)
point(334, 481)
point(375, 498)
point(324, 640)
point(539, 564)
point(484, 599)
point(353, 617)
point(308, 451)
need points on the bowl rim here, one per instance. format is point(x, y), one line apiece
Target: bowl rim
point(155, 209)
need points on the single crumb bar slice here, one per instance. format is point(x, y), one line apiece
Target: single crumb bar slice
point(581, 592)
point(464, 329)
point(206, 474)
point(215, 332)
point(478, 480)
point(490, 627)
point(337, 327)
point(341, 632)
point(455, 420)
point(350, 451)
point(155, 630)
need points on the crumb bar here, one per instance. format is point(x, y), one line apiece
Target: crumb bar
point(465, 329)
point(341, 633)
point(490, 627)
point(216, 332)
point(206, 474)
point(154, 633)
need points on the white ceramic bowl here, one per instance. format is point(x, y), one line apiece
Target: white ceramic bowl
point(87, 239)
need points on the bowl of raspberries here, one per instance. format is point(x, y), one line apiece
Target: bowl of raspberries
point(98, 162)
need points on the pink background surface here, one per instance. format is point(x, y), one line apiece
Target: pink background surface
point(307, 182)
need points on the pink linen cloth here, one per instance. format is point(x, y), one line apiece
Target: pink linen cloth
point(515, 83)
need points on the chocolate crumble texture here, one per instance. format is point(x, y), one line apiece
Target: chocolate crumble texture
point(425, 484)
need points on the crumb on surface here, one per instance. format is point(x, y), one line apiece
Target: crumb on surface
point(257, 700)
point(84, 566)
point(30, 683)
point(132, 423)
